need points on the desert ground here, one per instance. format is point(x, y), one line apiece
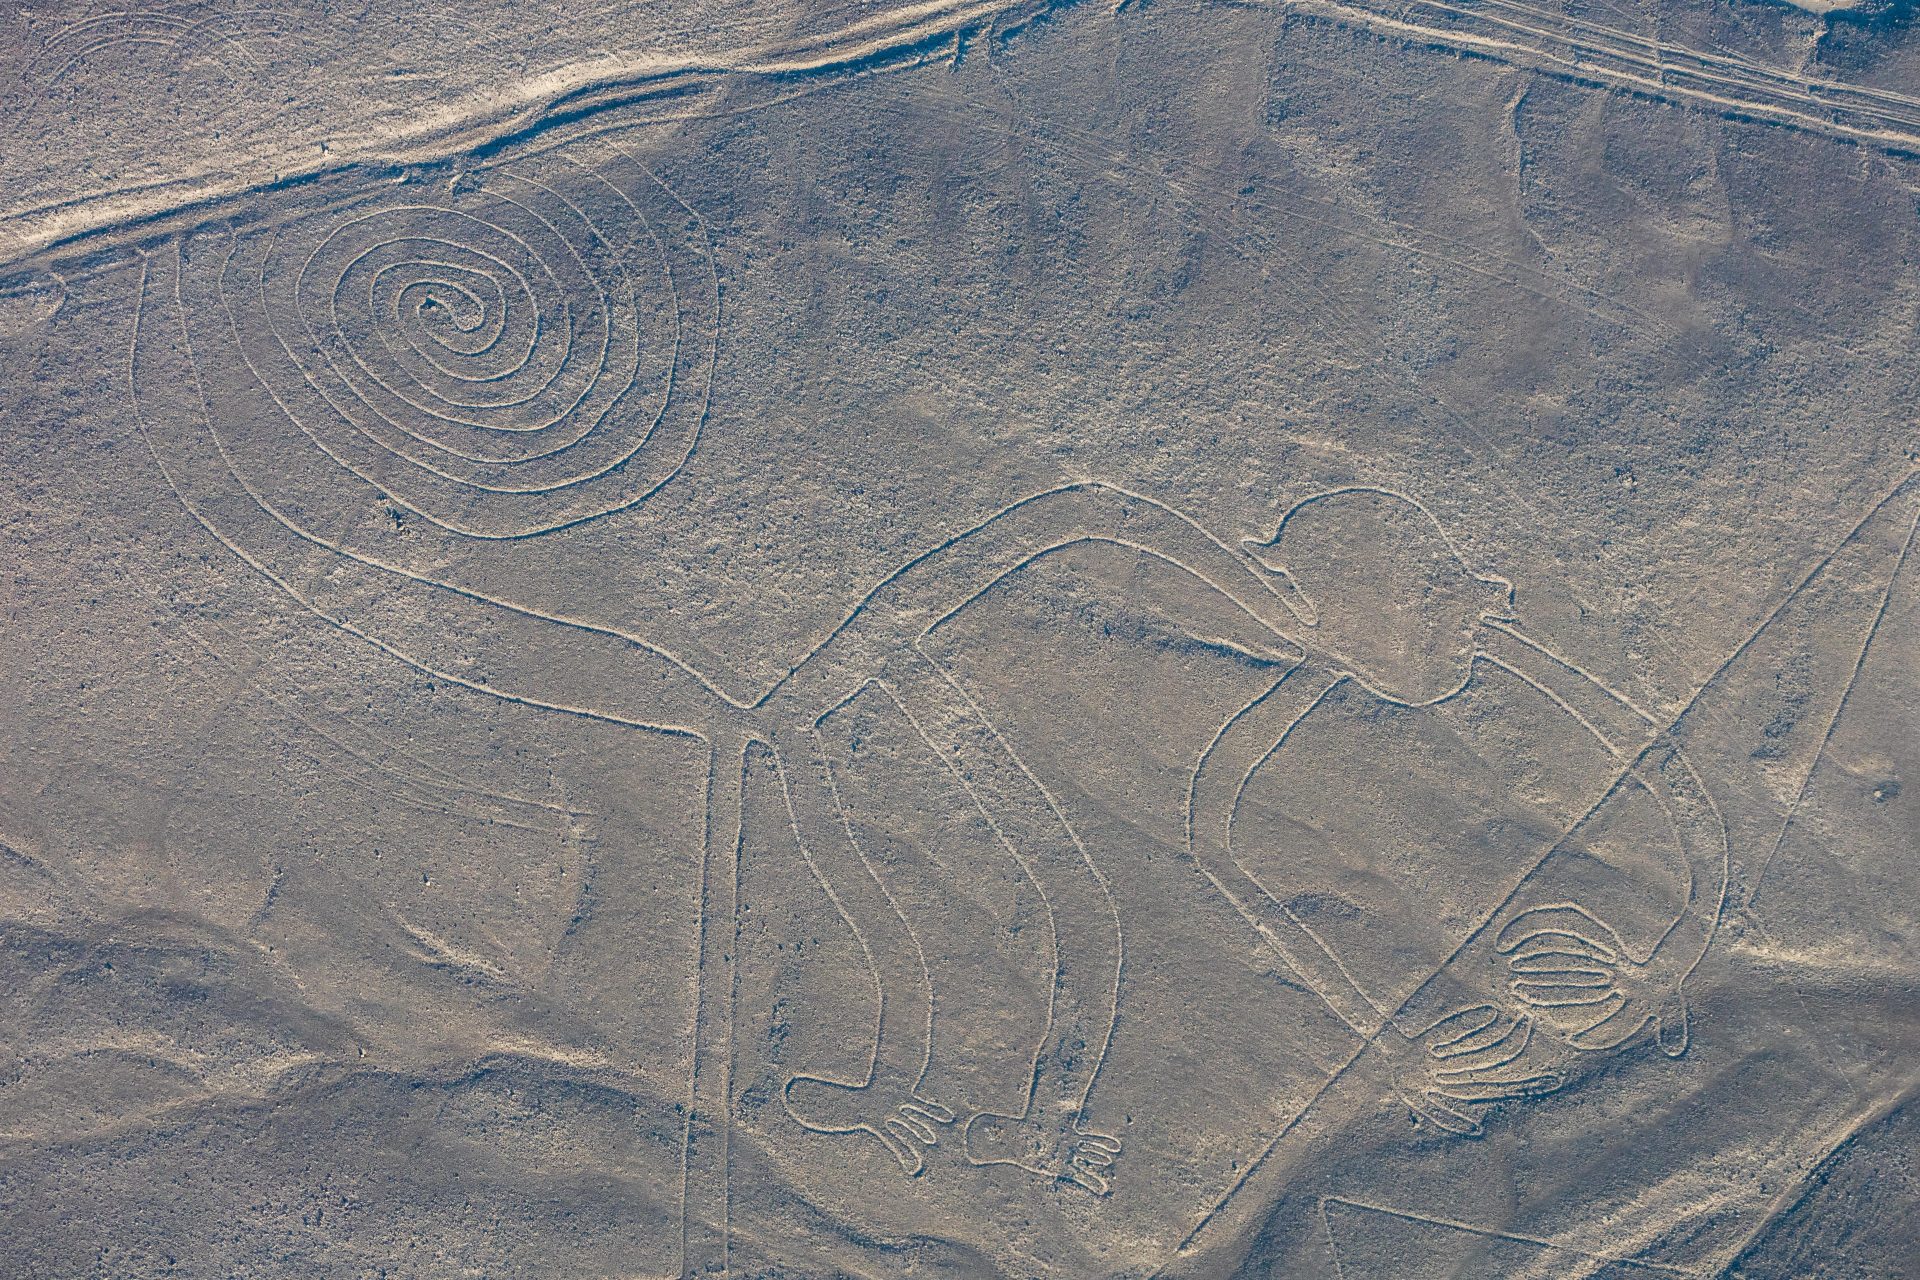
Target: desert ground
point(983, 639)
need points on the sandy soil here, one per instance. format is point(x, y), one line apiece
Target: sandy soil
point(963, 639)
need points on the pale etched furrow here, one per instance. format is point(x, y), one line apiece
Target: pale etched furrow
point(1206, 203)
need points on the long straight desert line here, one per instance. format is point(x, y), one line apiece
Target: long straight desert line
point(1519, 35)
point(1538, 39)
point(558, 98)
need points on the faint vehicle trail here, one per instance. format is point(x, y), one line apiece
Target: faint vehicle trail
point(381, 768)
point(1102, 156)
point(1505, 32)
point(556, 101)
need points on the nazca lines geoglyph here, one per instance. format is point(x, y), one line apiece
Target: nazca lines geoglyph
point(471, 367)
point(534, 354)
point(1729, 791)
point(367, 390)
point(338, 398)
point(1545, 40)
point(222, 34)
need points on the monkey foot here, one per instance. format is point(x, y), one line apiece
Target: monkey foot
point(1058, 1150)
point(888, 1110)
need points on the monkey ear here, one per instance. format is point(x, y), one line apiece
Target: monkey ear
point(1265, 555)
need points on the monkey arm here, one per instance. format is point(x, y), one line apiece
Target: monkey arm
point(1218, 780)
point(919, 595)
point(1646, 753)
point(1564, 957)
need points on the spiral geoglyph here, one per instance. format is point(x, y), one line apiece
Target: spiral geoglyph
point(503, 355)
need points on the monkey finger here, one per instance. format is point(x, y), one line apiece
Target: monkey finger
point(1565, 921)
point(1563, 946)
point(1487, 1048)
point(1623, 1018)
point(927, 1112)
point(1498, 1053)
point(914, 1127)
point(1502, 1090)
point(1459, 1026)
point(932, 1110)
point(1440, 1112)
point(1087, 1178)
point(1471, 1039)
point(1538, 962)
point(1553, 995)
point(903, 1149)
